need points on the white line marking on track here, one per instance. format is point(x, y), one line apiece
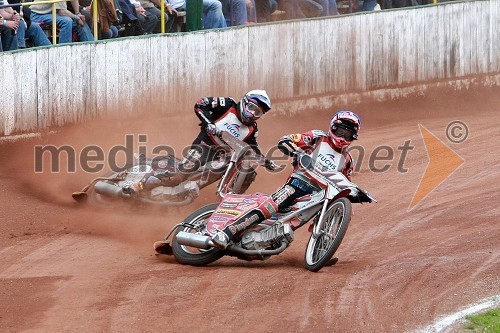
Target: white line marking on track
point(17, 137)
point(445, 322)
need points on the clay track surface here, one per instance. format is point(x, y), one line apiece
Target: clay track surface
point(66, 267)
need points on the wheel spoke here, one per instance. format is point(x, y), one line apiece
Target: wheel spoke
point(328, 233)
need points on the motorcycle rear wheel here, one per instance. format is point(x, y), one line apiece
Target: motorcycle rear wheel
point(190, 255)
point(321, 249)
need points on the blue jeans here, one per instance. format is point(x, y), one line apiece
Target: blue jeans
point(8, 40)
point(66, 27)
point(332, 8)
point(368, 5)
point(235, 12)
point(112, 33)
point(329, 7)
point(212, 14)
point(34, 33)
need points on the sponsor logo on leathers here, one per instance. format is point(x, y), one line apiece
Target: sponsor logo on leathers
point(243, 225)
point(233, 129)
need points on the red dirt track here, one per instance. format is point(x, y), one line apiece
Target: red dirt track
point(67, 267)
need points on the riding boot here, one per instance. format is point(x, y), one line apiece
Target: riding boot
point(264, 211)
point(172, 179)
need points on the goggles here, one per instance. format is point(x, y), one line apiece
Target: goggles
point(345, 133)
point(252, 110)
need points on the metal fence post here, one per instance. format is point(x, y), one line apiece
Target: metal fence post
point(194, 15)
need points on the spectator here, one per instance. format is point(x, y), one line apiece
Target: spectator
point(66, 21)
point(147, 20)
point(308, 8)
point(8, 41)
point(264, 9)
point(369, 5)
point(129, 19)
point(388, 4)
point(237, 12)
point(213, 16)
point(108, 17)
point(9, 23)
point(331, 8)
point(299, 9)
point(33, 32)
point(152, 7)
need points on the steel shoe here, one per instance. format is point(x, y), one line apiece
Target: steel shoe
point(220, 240)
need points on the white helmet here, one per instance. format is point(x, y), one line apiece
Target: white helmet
point(253, 105)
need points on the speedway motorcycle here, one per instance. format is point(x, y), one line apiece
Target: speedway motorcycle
point(329, 211)
point(234, 167)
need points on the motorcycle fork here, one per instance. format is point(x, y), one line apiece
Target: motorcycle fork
point(226, 174)
point(317, 229)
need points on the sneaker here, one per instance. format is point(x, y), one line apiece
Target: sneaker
point(220, 240)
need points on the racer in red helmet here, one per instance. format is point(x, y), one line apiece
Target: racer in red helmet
point(344, 128)
point(330, 155)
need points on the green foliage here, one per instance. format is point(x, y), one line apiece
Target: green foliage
point(488, 322)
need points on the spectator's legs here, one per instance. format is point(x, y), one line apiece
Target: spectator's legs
point(251, 11)
point(263, 9)
point(83, 32)
point(333, 9)
point(169, 20)
point(310, 8)
point(148, 22)
point(8, 40)
point(37, 36)
point(107, 34)
point(21, 35)
point(291, 9)
point(368, 5)
point(213, 16)
point(88, 18)
point(114, 31)
point(64, 23)
point(235, 11)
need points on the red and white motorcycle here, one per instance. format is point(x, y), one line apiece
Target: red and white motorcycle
point(329, 211)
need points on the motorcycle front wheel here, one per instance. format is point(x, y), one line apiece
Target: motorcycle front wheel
point(188, 255)
point(321, 249)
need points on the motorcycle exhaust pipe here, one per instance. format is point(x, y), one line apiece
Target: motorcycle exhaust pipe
point(194, 240)
point(109, 190)
point(205, 242)
point(261, 253)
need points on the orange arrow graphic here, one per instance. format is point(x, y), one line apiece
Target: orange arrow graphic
point(442, 162)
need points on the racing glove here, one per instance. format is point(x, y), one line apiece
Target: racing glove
point(271, 166)
point(212, 129)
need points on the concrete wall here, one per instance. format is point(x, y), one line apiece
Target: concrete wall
point(311, 61)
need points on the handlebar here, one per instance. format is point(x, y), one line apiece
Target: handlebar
point(307, 162)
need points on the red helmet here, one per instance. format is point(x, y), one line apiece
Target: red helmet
point(253, 105)
point(344, 128)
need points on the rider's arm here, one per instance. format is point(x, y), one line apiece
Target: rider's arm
point(348, 166)
point(209, 109)
point(288, 144)
point(252, 141)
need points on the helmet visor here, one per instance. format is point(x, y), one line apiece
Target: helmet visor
point(344, 133)
point(252, 110)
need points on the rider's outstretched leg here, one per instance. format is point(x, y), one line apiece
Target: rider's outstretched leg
point(264, 211)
